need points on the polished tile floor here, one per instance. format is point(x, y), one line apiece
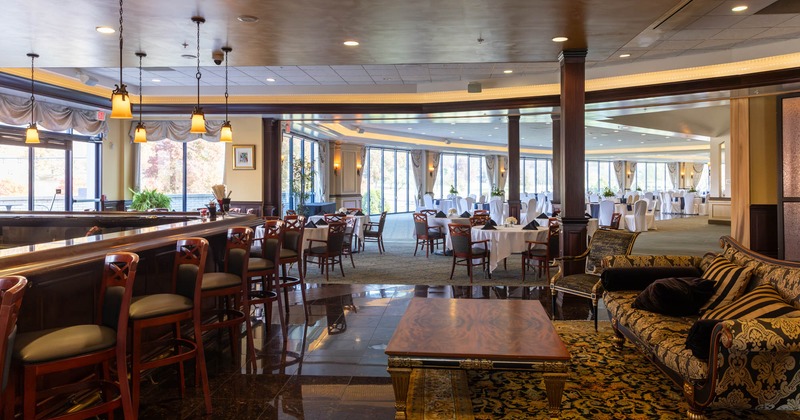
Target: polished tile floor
point(334, 366)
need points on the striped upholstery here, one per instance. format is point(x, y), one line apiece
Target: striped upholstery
point(762, 302)
point(731, 282)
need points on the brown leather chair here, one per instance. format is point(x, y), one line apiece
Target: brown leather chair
point(373, 232)
point(349, 232)
point(293, 232)
point(464, 250)
point(13, 289)
point(39, 353)
point(183, 303)
point(427, 236)
point(333, 218)
point(329, 252)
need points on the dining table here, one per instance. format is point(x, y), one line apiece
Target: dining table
point(319, 233)
point(361, 224)
point(504, 241)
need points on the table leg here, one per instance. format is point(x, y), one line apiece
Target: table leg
point(554, 387)
point(400, 382)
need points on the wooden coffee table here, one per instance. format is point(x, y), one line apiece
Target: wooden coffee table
point(477, 335)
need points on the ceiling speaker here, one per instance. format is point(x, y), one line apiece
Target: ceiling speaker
point(474, 87)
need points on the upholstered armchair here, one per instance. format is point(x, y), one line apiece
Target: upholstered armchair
point(587, 283)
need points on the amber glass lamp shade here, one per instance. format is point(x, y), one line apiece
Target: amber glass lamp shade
point(140, 134)
point(226, 133)
point(121, 104)
point(198, 121)
point(32, 134)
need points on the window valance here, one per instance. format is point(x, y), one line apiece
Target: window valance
point(177, 130)
point(15, 110)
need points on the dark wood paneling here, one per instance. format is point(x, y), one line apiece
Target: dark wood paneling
point(764, 229)
point(271, 158)
point(514, 205)
point(573, 242)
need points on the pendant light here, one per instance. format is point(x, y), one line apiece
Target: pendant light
point(140, 134)
point(198, 119)
point(32, 133)
point(120, 101)
point(226, 133)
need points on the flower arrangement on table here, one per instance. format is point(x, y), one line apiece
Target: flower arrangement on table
point(511, 220)
point(497, 191)
point(452, 212)
point(608, 193)
point(453, 190)
point(342, 210)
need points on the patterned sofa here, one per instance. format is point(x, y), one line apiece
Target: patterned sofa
point(753, 364)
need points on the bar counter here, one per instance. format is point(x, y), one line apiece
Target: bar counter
point(64, 275)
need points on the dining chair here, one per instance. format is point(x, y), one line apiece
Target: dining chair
point(353, 210)
point(429, 212)
point(427, 236)
point(347, 243)
point(13, 290)
point(291, 212)
point(465, 251)
point(291, 248)
point(182, 303)
point(479, 220)
point(329, 252)
point(606, 210)
point(545, 253)
point(586, 282)
point(373, 232)
point(261, 272)
point(637, 221)
point(481, 212)
point(333, 218)
point(44, 352)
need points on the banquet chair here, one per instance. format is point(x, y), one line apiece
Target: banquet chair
point(544, 254)
point(470, 203)
point(533, 210)
point(373, 232)
point(637, 221)
point(327, 254)
point(675, 204)
point(580, 275)
point(13, 289)
point(464, 250)
point(182, 303)
point(688, 203)
point(496, 211)
point(428, 201)
point(39, 353)
point(482, 198)
point(228, 287)
point(606, 210)
point(261, 273)
point(427, 236)
point(462, 206)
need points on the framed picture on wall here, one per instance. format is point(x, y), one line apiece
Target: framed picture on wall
point(244, 156)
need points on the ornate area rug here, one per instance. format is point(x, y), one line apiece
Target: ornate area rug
point(604, 383)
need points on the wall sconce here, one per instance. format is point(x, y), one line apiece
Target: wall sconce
point(502, 171)
point(358, 169)
point(336, 168)
point(430, 171)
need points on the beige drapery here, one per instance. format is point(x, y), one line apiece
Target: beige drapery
point(619, 171)
point(629, 179)
point(490, 165)
point(740, 170)
point(502, 171)
point(323, 162)
point(177, 131)
point(418, 169)
point(15, 110)
point(674, 174)
point(697, 173)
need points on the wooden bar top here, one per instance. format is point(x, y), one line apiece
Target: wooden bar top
point(476, 328)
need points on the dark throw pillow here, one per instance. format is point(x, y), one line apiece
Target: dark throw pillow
point(675, 296)
point(699, 338)
point(638, 278)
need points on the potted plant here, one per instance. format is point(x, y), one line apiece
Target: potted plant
point(496, 191)
point(608, 193)
point(149, 199)
point(453, 191)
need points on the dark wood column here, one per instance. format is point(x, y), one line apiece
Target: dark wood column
point(271, 158)
point(513, 165)
point(572, 152)
point(556, 123)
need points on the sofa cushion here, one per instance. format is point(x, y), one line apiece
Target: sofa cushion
point(731, 282)
point(661, 336)
point(762, 302)
point(675, 296)
point(638, 278)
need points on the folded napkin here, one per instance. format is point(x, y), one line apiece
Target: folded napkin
point(310, 225)
point(622, 200)
point(359, 213)
point(531, 226)
point(322, 222)
point(630, 208)
point(492, 222)
point(587, 215)
point(542, 216)
point(465, 214)
point(440, 215)
point(489, 225)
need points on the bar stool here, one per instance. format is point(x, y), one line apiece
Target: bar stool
point(293, 232)
point(62, 349)
point(227, 286)
point(13, 289)
point(171, 309)
point(258, 292)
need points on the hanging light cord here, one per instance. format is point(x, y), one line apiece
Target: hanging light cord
point(141, 88)
point(33, 99)
point(226, 84)
point(120, 44)
point(198, 75)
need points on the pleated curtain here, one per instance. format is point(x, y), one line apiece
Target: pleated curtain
point(619, 171)
point(418, 169)
point(629, 179)
point(490, 173)
point(15, 110)
point(178, 131)
point(502, 172)
point(698, 173)
point(673, 168)
point(324, 166)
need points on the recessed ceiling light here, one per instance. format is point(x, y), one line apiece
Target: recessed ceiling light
point(739, 8)
point(688, 139)
point(409, 128)
point(497, 128)
point(461, 137)
point(351, 43)
point(187, 56)
point(452, 123)
point(541, 145)
point(452, 132)
point(523, 138)
point(644, 134)
point(490, 135)
point(508, 71)
point(641, 142)
point(560, 39)
point(616, 131)
point(601, 144)
point(269, 79)
point(156, 80)
point(619, 139)
point(626, 55)
point(247, 18)
point(105, 29)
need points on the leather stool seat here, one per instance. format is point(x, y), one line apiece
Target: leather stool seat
point(151, 306)
point(260, 264)
point(288, 253)
point(62, 343)
point(212, 281)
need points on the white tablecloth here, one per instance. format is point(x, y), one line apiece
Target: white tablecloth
point(308, 233)
point(361, 224)
point(444, 204)
point(505, 241)
point(444, 221)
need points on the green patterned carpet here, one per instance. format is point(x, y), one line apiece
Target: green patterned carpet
point(604, 383)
